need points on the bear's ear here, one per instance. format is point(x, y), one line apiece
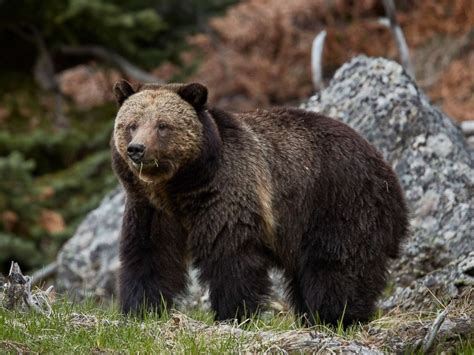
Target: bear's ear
point(195, 94)
point(122, 91)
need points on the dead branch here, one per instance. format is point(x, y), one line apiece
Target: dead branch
point(287, 341)
point(430, 337)
point(44, 74)
point(397, 32)
point(44, 273)
point(43, 70)
point(317, 60)
point(17, 293)
point(14, 287)
point(37, 302)
point(123, 64)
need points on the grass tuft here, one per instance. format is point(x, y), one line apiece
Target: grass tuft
point(87, 327)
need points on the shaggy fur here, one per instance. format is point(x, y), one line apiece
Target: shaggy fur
point(236, 194)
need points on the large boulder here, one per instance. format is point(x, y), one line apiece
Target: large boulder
point(427, 150)
point(88, 262)
point(436, 288)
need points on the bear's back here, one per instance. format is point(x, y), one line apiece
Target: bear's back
point(319, 161)
point(302, 145)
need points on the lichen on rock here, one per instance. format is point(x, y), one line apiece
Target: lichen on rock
point(88, 262)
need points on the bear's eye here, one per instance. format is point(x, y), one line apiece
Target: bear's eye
point(162, 126)
point(162, 129)
point(132, 127)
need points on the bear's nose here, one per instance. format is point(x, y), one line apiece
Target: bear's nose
point(136, 152)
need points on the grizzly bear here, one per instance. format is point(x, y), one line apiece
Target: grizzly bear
point(236, 194)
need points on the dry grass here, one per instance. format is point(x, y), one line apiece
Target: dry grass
point(87, 327)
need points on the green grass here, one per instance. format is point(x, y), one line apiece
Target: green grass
point(85, 328)
point(89, 328)
point(465, 346)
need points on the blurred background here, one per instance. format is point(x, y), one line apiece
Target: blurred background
point(60, 58)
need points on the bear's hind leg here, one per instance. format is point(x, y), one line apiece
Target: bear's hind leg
point(325, 291)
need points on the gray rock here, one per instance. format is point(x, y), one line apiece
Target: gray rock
point(88, 262)
point(440, 286)
point(378, 99)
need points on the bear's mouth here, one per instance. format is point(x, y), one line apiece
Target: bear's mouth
point(146, 164)
point(152, 167)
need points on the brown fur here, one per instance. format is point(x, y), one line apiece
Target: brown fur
point(240, 193)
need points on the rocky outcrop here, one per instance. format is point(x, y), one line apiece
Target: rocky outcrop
point(435, 289)
point(88, 262)
point(426, 149)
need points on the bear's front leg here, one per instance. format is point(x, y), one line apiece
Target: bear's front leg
point(152, 255)
point(237, 277)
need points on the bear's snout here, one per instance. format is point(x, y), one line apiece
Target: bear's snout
point(136, 152)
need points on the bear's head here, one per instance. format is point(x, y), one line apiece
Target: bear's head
point(157, 128)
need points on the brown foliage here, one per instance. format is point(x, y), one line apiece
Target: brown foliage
point(51, 221)
point(9, 220)
point(166, 71)
point(87, 85)
point(4, 113)
point(455, 88)
point(423, 20)
point(258, 53)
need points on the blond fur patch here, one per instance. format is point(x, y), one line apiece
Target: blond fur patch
point(263, 187)
point(265, 197)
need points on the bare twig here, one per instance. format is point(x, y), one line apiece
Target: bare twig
point(37, 302)
point(123, 64)
point(317, 60)
point(430, 337)
point(402, 46)
point(44, 67)
point(44, 273)
point(467, 128)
